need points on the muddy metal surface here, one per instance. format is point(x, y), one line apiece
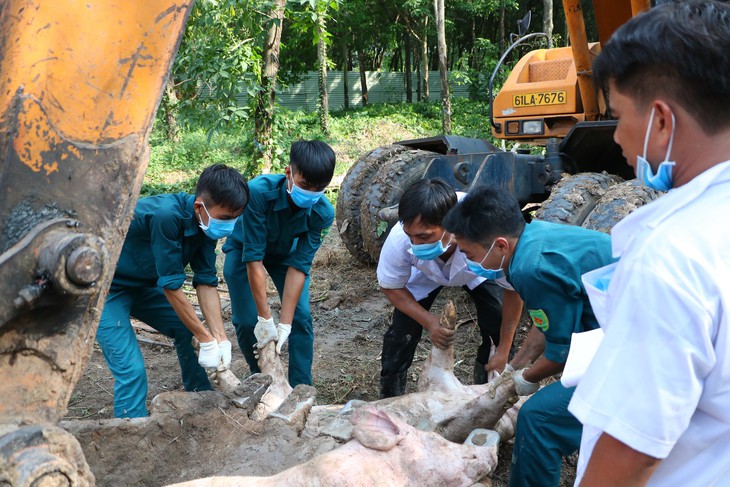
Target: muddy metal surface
point(350, 317)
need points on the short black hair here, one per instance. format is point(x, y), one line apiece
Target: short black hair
point(223, 186)
point(680, 50)
point(429, 199)
point(485, 213)
point(314, 160)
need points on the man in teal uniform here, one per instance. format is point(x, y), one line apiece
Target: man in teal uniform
point(543, 262)
point(167, 233)
point(280, 231)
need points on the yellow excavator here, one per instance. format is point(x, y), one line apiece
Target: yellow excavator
point(80, 83)
point(548, 100)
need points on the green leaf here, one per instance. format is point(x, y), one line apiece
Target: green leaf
point(381, 228)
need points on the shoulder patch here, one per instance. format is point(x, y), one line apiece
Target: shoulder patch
point(539, 319)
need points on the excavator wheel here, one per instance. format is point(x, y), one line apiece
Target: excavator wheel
point(351, 193)
point(617, 202)
point(574, 197)
point(384, 192)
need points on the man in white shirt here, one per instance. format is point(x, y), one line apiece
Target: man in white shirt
point(655, 401)
point(419, 258)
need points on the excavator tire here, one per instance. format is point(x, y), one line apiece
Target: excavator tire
point(350, 196)
point(574, 197)
point(617, 202)
point(384, 191)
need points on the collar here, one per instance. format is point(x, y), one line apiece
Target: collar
point(190, 221)
point(653, 214)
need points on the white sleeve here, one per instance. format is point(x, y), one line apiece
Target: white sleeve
point(646, 379)
point(394, 265)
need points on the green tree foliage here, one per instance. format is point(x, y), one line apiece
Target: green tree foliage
point(219, 59)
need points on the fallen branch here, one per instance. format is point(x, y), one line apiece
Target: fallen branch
point(154, 342)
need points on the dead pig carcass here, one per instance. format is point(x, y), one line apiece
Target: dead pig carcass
point(211, 437)
point(385, 451)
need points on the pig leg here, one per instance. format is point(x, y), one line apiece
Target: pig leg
point(438, 370)
point(271, 364)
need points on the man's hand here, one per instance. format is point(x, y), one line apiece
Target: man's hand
point(440, 336)
point(225, 355)
point(523, 387)
point(265, 332)
point(209, 355)
point(498, 362)
point(282, 333)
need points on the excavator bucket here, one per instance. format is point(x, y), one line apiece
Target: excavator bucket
point(80, 83)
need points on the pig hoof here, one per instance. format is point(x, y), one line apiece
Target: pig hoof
point(482, 437)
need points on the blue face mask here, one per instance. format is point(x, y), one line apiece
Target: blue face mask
point(489, 274)
point(430, 251)
point(662, 180)
point(216, 228)
point(303, 198)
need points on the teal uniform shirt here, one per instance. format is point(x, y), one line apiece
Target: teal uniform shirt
point(163, 238)
point(270, 229)
point(546, 270)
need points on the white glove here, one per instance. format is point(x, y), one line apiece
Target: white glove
point(265, 332)
point(524, 387)
point(509, 368)
point(209, 355)
point(225, 353)
point(282, 333)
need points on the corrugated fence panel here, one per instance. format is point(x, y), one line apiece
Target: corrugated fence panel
point(382, 88)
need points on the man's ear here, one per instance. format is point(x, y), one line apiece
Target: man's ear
point(287, 171)
point(663, 126)
point(501, 243)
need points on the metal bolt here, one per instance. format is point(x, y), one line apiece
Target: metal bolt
point(28, 295)
point(84, 266)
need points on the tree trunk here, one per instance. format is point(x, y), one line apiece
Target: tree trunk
point(473, 62)
point(324, 123)
point(363, 78)
point(264, 112)
point(170, 106)
point(418, 72)
point(407, 66)
point(345, 73)
point(501, 28)
point(443, 68)
point(547, 20)
point(424, 60)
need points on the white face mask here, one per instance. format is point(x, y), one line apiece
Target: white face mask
point(662, 180)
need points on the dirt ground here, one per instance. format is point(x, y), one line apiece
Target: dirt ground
point(350, 317)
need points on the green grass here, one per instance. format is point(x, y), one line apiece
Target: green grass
point(174, 166)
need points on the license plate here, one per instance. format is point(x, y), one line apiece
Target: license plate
point(540, 98)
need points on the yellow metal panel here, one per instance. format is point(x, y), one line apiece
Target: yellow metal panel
point(92, 65)
point(610, 14)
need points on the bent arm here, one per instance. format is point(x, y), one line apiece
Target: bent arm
point(404, 302)
point(257, 282)
point(293, 285)
point(185, 311)
point(511, 313)
point(615, 463)
point(532, 347)
point(542, 369)
point(210, 306)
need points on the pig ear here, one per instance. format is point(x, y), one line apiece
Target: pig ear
point(375, 429)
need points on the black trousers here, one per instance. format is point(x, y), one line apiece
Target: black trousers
point(404, 333)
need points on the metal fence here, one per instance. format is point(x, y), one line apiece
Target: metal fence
point(382, 88)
